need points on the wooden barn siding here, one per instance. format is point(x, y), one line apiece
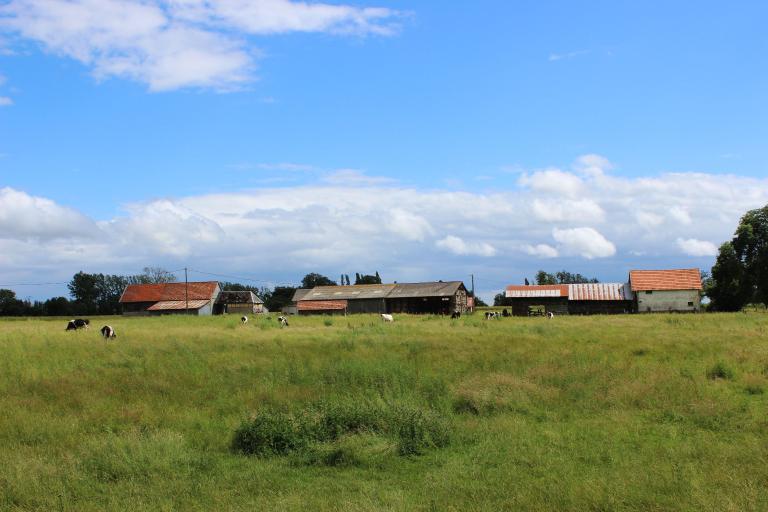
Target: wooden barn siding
point(600, 307)
point(556, 305)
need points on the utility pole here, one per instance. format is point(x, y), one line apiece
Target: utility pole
point(473, 284)
point(186, 292)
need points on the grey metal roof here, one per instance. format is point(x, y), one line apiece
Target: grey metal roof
point(382, 291)
point(433, 289)
point(238, 297)
point(300, 293)
point(355, 291)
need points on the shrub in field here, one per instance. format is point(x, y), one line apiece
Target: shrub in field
point(270, 432)
point(339, 417)
point(421, 430)
point(720, 371)
point(328, 322)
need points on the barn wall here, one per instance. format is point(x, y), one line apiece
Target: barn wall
point(366, 306)
point(668, 300)
point(422, 305)
point(599, 307)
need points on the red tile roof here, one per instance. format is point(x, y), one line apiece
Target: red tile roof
point(168, 291)
point(322, 305)
point(535, 290)
point(680, 279)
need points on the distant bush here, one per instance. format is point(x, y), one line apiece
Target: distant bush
point(720, 371)
point(273, 432)
point(328, 322)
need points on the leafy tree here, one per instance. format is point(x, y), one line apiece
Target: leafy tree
point(545, 278)
point(480, 303)
point(367, 279)
point(500, 299)
point(740, 273)
point(279, 297)
point(9, 304)
point(314, 279)
point(152, 275)
point(84, 289)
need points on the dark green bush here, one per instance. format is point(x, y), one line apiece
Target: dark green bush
point(720, 371)
point(270, 432)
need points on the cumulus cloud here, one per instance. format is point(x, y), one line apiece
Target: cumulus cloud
point(458, 246)
point(541, 250)
point(586, 242)
point(406, 233)
point(170, 44)
point(553, 181)
point(694, 247)
point(24, 216)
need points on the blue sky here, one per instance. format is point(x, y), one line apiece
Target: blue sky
point(595, 136)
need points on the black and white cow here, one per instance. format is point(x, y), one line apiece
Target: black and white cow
point(76, 324)
point(387, 318)
point(283, 321)
point(491, 314)
point(550, 315)
point(243, 319)
point(455, 315)
point(108, 332)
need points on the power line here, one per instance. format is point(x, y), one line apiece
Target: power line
point(31, 284)
point(239, 278)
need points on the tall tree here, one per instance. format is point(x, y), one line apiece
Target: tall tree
point(314, 279)
point(545, 278)
point(9, 304)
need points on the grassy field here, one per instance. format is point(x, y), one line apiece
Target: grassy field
point(663, 412)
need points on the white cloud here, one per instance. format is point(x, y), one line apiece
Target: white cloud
point(5, 101)
point(693, 247)
point(554, 57)
point(553, 181)
point(586, 242)
point(680, 215)
point(458, 246)
point(541, 251)
point(171, 44)
point(23, 216)
point(593, 165)
point(354, 177)
point(406, 233)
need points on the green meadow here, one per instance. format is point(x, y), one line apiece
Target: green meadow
point(643, 412)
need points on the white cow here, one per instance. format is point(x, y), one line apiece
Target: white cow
point(387, 318)
point(283, 321)
point(243, 319)
point(108, 332)
point(550, 315)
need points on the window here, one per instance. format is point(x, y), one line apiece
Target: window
point(648, 292)
point(690, 303)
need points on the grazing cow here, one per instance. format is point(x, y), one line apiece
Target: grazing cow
point(108, 332)
point(243, 319)
point(550, 315)
point(76, 324)
point(491, 314)
point(283, 321)
point(387, 318)
point(455, 315)
point(505, 313)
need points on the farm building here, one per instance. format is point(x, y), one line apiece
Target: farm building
point(293, 307)
point(170, 298)
point(441, 298)
point(238, 302)
point(569, 299)
point(666, 290)
point(524, 299)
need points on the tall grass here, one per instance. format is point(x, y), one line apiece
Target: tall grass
point(646, 412)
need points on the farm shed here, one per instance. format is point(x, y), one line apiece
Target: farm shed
point(358, 298)
point(293, 307)
point(441, 298)
point(432, 298)
point(599, 298)
point(553, 298)
point(666, 290)
point(239, 302)
point(195, 298)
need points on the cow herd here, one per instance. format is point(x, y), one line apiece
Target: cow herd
point(107, 332)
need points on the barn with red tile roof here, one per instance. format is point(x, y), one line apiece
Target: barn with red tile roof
point(666, 290)
point(195, 298)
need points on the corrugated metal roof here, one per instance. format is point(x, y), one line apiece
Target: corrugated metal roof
point(238, 297)
point(168, 291)
point(355, 291)
point(544, 290)
point(432, 289)
point(300, 293)
point(677, 279)
point(322, 305)
point(167, 305)
point(599, 291)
